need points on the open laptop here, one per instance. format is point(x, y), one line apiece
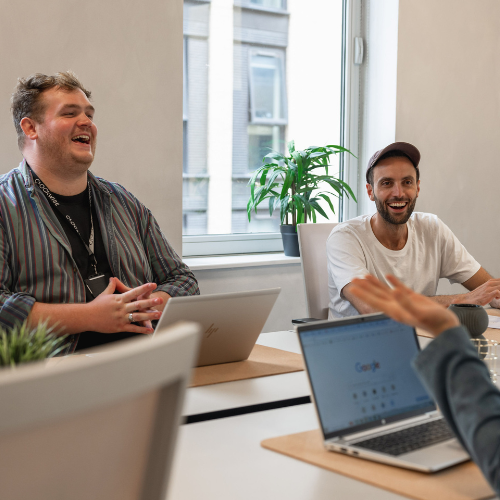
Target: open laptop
point(231, 322)
point(369, 401)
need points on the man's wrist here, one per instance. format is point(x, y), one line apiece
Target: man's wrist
point(446, 325)
point(462, 298)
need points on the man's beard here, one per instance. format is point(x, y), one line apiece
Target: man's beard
point(388, 217)
point(55, 150)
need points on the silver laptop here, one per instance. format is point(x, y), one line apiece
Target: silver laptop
point(231, 322)
point(369, 401)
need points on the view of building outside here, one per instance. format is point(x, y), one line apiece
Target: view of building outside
point(257, 73)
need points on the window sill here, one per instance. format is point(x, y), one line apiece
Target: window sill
point(232, 261)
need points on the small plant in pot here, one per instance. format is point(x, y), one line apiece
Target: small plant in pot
point(23, 344)
point(295, 184)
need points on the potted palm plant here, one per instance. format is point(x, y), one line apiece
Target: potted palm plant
point(294, 183)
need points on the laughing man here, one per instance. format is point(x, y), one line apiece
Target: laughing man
point(77, 250)
point(417, 248)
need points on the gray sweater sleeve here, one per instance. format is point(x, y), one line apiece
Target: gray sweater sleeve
point(459, 382)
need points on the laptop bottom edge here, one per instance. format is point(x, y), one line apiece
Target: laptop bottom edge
point(429, 459)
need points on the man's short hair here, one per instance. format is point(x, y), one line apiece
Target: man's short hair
point(26, 99)
point(389, 154)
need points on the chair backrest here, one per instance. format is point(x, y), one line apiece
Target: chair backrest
point(312, 244)
point(100, 427)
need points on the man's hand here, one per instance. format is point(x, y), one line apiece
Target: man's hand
point(108, 312)
point(403, 304)
point(122, 288)
point(486, 293)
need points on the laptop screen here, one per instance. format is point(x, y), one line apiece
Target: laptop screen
point(360, 373)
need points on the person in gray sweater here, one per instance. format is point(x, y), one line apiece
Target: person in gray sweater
point(449, 367)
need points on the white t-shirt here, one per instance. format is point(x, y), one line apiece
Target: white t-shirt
point(431, 252)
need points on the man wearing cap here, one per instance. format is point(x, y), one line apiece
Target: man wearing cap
point(417, 248)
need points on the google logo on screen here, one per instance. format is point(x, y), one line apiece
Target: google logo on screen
point(369, 367)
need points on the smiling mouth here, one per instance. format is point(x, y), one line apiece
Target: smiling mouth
point(398, 205)
point(83, 139)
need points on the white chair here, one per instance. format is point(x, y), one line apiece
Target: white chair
point(101, 427)
point(312, 244)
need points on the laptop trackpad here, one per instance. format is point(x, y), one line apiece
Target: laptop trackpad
point(438, 456)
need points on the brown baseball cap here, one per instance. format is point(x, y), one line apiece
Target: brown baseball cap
point(406, 148)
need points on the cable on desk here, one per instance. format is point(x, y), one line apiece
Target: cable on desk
point(243, 410)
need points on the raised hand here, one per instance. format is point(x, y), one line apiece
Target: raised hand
point(403, 304)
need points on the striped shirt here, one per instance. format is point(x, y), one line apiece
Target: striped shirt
point(35, 254)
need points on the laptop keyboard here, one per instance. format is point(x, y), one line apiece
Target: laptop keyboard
point(409, 439)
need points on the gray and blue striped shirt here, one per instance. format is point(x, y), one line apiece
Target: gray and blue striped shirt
point(35, 255)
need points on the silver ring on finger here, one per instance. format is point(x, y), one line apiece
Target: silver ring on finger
point(131, 317)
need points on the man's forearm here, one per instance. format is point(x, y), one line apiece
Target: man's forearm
point(358, 304)
point(67, 318)
point(447, 300)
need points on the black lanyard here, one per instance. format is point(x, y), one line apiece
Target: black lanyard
point(90, 247)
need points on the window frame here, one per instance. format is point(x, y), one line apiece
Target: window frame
point(249, 243)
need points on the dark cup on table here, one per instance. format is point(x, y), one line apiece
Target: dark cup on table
point(475, 319)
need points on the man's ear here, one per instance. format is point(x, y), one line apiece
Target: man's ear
point(29, 127)
point(418, 187)
point(369, 190)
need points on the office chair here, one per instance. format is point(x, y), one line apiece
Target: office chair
point(312, 244)
point(101, 427)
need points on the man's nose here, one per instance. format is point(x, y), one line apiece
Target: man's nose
point(397, 191)
point(84, 121)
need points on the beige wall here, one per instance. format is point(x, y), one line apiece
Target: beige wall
point(448, 104)
point(129, 54)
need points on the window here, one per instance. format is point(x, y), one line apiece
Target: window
point(267, 88)
point(252, 82)
point(271, 4)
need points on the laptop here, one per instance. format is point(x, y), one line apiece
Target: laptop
point(231, 322)
point(369, 401)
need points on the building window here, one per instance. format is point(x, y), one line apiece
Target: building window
point(267, 88)
point(252, 82)
point(270, 4)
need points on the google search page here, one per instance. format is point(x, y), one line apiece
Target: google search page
point(361, 373)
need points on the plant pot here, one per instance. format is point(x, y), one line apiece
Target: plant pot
point(472, 316)
point(290, 240)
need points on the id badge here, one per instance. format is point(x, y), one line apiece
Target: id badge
point(96, 284)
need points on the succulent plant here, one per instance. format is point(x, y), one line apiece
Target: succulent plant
point(23, 344)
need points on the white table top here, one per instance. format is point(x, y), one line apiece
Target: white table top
point(223, 460)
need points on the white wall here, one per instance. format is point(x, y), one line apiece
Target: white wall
point(129, 54)
point(448, 105)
